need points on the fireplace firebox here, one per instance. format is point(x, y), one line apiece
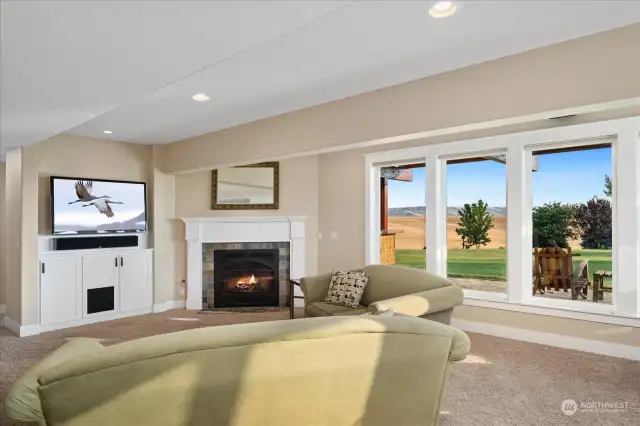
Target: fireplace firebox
point(245, 278)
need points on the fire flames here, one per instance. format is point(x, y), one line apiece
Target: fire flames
point(247, 283)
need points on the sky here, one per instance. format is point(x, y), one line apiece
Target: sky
point(132, 195)
point(569, 177)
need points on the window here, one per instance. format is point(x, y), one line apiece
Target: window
point(570, 242)
point(572, 223)
point(476, 222)
point(403, 203)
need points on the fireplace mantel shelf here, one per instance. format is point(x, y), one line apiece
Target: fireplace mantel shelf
point(249, 229)
point(235, 219)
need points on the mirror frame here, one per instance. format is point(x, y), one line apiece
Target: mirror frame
point(276, 192)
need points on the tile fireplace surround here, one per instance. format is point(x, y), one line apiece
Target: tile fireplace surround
point(237, 232)
point(208, 267)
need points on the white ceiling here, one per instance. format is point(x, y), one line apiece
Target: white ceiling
point(131, 67)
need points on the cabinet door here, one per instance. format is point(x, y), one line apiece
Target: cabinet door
point(135, 280)
point(60, 289)
point(100, 271)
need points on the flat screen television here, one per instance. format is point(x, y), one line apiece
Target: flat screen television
point(94, 206)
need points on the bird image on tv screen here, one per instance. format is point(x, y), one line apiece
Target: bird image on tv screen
point(89, 206)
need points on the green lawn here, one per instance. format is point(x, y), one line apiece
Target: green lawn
point(491, 264)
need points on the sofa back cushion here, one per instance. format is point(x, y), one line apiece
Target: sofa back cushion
point(299, 372)
point(387, 281)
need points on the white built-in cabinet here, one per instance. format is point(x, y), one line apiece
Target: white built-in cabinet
point(60, 289)
point(67, 278)
point(134, 271)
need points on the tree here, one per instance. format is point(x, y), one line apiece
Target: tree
point(594, 221)
point(474, 225)
point(553, 225)
point(607, 186)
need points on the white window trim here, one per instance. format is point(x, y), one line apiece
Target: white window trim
point(625, 137)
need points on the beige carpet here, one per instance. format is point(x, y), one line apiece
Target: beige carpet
point(502, 382)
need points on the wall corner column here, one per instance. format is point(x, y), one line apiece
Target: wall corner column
point(12, 242)
point(163, 230)
point(626, 187)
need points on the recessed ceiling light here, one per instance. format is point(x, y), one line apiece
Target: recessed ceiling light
point(200, 97)
point(108, 132)
point(442, 9)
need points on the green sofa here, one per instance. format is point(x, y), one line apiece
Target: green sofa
point(409, 291)
point(371, 370)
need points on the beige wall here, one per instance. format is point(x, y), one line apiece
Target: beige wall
point(3, 234)
point(13, 243)
point(548, 324)
point(590, 70)
point(342, 187)
point(65, 155)
point(170, 198)
point(75, 156)
point(298, 197)
point(167, 237)
point(342, 210)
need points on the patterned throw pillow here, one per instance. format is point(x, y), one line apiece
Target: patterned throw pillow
point(346, 288)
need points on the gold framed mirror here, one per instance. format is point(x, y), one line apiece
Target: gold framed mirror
point(251, 187)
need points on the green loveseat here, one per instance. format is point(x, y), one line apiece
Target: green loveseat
point(377, 371)
point(409, 291)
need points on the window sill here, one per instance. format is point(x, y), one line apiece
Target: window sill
point(604, 315)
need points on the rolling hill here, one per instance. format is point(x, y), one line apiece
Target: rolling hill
point(451, 211)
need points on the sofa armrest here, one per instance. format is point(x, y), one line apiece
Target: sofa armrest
point(422, 303)
point(23, 401)
point(460, 345)
point(315, 288)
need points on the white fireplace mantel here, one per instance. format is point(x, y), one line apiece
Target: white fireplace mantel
point(205, 230)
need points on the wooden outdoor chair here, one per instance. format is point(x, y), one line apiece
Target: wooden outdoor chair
point(538, 283)
point(553, 268)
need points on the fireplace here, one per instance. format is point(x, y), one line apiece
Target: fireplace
point(207, 237)
point(246, 277)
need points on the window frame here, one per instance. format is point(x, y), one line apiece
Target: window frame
point(624, 136)
point(478, 294)
point(531, 300)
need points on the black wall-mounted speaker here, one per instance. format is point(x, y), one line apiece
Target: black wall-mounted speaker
point(97, 242)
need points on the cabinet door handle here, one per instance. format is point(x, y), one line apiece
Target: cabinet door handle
point(43, 267)
point(121, 261)
point(116, 261)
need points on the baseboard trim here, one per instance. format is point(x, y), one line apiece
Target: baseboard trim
point(167, 306)
point(11, 325)
point(3, 309)
point(33, 329)
point(550, 339)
